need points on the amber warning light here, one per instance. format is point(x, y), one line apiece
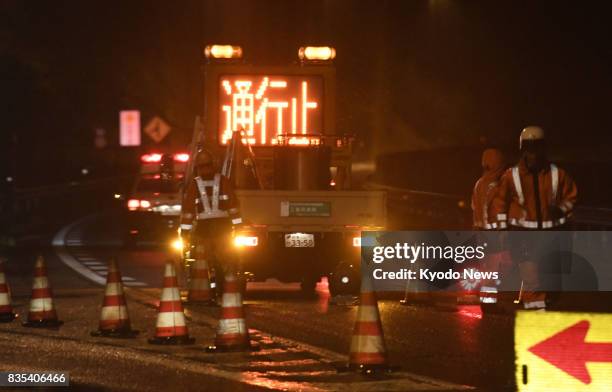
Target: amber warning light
point(317, 53)
point(223, 52)
point(266, 106)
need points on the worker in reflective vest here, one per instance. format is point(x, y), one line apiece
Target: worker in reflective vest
point(210, 211)
point(533, 195)
point(486, 187)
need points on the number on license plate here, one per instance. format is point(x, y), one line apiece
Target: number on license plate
point(299, 240)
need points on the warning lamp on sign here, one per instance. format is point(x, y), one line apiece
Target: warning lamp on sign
point(223, 52)
point(316, 53)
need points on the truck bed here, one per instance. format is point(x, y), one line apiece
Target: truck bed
point(318, 211)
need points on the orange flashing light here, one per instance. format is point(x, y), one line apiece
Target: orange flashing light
point(223, 52)
point(317, 53)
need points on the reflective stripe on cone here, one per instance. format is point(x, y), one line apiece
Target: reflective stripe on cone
point(170, 326)
point(114, 316)
point(42, 311)
point(6, 309)
point(368, 352)
point(232, 331)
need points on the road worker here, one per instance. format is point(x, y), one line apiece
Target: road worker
point(493, 166)
point(210, 213)
point(533, 195)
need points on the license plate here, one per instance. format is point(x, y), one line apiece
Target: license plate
point(299, 240)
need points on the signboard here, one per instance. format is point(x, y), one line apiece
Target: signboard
point(129, 128)
point(157, 129)
point(558, 351)
point(320, 209)
point(265, 106)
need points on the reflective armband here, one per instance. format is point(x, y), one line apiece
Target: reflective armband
point(502, 217)
point(236, 221)
point(185, 226)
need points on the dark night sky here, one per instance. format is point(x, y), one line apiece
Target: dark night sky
point(411, 74)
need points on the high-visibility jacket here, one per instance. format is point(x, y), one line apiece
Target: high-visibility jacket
point(515, 203)
point(486, 187)
point(206, 199)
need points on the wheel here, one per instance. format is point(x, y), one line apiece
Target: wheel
point(345, 280)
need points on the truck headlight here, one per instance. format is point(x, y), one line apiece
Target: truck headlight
point(245, 240)
point(177, 245)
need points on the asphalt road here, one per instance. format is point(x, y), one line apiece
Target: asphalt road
point(304, 341)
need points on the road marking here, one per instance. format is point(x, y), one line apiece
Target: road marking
point(60, 237)
point(92, 263)
point(98, 267)
point(78, 267)
point(83, 263)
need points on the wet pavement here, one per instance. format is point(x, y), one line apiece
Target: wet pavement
point(303, 341)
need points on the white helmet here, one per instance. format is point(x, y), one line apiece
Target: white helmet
point(531, 133)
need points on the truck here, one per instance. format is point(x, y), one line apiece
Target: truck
point(273, 127)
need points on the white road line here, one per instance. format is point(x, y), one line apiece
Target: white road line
point(60, 237)
point(128, 279)
point(87, 259)
point(78, 267)
point(92, 263)
point(98, 267)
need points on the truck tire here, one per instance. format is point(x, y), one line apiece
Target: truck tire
point(345, 280)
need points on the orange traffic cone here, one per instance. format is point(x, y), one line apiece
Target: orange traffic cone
point(42, 312)
point(6, 309)
point(232, 332)
point(114, 317)
point(368, 353)
point(199, 285)
point(171, 327)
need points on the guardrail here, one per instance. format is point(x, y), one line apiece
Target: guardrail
point(418, 210)
point(429, 210)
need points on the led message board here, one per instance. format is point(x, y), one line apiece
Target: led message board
point(265, 106)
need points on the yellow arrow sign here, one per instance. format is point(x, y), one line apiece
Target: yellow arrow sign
point(558, 351)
